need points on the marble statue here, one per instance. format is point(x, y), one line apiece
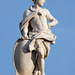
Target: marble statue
point(33, 47)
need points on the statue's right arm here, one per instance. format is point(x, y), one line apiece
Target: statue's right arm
point(25, 31)
point(27, 16)
point(24, 27)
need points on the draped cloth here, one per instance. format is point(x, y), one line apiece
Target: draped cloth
point(37, 37)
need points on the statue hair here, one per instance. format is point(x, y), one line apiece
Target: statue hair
point(34, 1)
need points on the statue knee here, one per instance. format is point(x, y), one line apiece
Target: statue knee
point(40, 52)
point(41, 55)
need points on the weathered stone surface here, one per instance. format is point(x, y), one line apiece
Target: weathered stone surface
point(24, 61)
point(33, 47)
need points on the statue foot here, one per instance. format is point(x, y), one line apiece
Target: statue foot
point(42, 73)
point(16, 73)
point(53, 42)
point(39, 73)
point(36, 72)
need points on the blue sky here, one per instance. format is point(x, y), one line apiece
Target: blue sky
point(61, 60)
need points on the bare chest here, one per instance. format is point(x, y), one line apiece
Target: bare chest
point(39, 21)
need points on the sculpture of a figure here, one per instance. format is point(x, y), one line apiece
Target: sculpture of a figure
point(34, 28)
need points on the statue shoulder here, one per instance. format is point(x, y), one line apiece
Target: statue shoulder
point(26, 13)
point(46, 11)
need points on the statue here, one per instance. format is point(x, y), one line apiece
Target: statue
point(33, 47)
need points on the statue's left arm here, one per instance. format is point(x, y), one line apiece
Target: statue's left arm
point(51, 18)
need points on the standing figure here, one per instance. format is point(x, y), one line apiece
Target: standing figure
point(34, 27)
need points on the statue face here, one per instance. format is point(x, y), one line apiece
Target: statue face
point(40, 2)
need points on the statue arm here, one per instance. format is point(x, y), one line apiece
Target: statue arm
point(27, 16)
point(51, 18)
point(24, 24)
point(25, 31)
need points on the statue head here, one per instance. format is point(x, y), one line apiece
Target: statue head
point(39, 2)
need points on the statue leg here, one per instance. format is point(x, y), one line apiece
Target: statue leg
point(17, 73)
point(36, 71)
point(40, 59)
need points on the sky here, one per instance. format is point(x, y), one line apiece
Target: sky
point(61, 59)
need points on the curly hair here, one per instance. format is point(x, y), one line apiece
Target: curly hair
point(34, 1)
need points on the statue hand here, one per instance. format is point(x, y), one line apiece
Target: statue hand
point(25, 36)
point(48, 26)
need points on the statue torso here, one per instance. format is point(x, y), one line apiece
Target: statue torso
point(39, 21)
